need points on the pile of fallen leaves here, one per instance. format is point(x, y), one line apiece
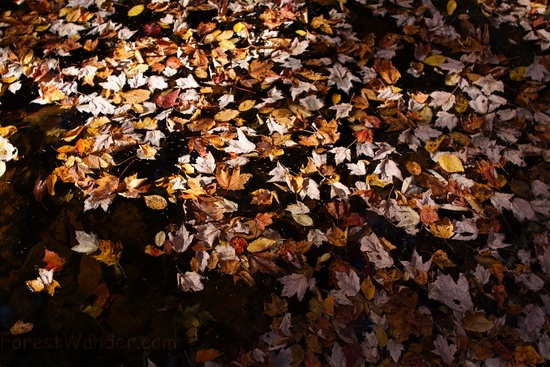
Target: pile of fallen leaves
point(394, 180)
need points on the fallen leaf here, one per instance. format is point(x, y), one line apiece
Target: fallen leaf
point(53, 261)
point(155, 202)
point(110, 252)
point(260, 244)
point(450, 163)
point(136, 10)
point(231, 179)
point(21, 327)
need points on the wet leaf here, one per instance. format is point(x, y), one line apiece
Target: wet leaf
point(21, 327)
point(231, 179)
point(136, 10)
point(450, 163)
point(260, 244)
point(155, 202)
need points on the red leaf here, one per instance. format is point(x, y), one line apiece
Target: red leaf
point(168, 100)
point(53, 261)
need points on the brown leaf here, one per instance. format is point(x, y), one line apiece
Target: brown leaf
point(387, 71)
point(260, 69)
point(263, 262)
point(231, 179)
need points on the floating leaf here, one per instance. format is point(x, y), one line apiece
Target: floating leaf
point(21, 327)
point(260, 244)
point(450, 163)
point(442, 228)
point(247, 105)
point(451, 7)
point(231, 179)
point(435, 60)
point(155, 202)
point(136, 10)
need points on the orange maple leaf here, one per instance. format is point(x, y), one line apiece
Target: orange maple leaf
point(231, 180)
point(53, 261)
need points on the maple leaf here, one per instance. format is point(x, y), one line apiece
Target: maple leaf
point(349, 283)
point(191, 280)
point(312, 103)
point(110, 252)
point(445, 350)
point(231, 179)
point(53, 260)
point(295, 284)
point(445, 100)
point(388, 169)
point(376, 252)
point(455, 295)
point(45, 281)
point(181, 240)
point(240, 146)
point(417, 268)
point(341, 77)
point(87, 243)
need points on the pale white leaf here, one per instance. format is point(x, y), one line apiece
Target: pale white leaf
point(312, 103)
point(207, 232)
point(191, 280)
point(342, 77)
point(181, 240)
point(242, 145)
point(395, 349)
point(445, 100)
point(187, 83)
point(225, 100)
point(206, 164)
point(376, 252)
point(87, 242)
point(455, 295)
point(342, 109)
point(341, 154)
point(445, 349)
point(349, 283)
point(522, 209)
point(298, 47)
point(489, 84)
point(388, 169)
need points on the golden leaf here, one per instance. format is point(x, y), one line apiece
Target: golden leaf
point(435, 60)
point(518, 73)
point(432, 145)
point(368, 288)
point(155, 202)
point(226, 115)
point(451, 7)
point(461, 103)
point(338, 237)
point(247, 105)
point(135, 96)
point(21, 327)
point(450, 163)
point(136, 10)
point(260, 244)
point(441, 259)
point(110, 252)
point(231, 180)
point(442, 228)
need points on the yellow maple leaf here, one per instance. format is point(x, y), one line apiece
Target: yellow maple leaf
point(110, 252)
